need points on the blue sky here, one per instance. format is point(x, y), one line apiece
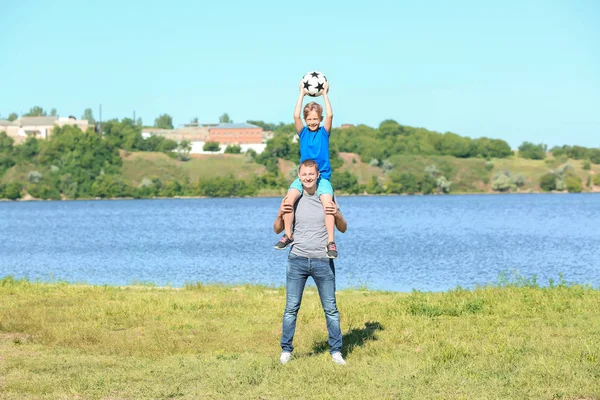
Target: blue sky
point(515, 70)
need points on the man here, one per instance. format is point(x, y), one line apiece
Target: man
point(308, 257)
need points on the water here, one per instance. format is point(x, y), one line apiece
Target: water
point(397, 243)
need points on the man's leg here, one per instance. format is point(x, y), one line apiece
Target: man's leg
point(296, 275)
point(324, 275)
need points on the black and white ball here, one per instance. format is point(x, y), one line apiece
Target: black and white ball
point(314, 83)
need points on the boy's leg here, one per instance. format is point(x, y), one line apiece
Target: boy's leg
point(288, 219)
point(296, 275)
point(325, 193)
point(292, 196)
point(329, 219)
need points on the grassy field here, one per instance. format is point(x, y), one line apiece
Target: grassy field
point(513, 341)
point(140, 165)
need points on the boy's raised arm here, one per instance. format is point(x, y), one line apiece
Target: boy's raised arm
point(298, 109)
point(328, 123)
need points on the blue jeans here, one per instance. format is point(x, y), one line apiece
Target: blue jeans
point(322, 271)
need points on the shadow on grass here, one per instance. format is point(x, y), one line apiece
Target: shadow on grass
point(354, 338)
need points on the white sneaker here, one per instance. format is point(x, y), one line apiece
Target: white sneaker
point(337, 358)
point(285, 357)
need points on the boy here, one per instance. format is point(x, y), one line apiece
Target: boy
point(314, 145)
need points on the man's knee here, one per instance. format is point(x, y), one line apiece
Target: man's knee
point(292, 309)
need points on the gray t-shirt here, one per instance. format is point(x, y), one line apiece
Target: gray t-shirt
point(309, 232)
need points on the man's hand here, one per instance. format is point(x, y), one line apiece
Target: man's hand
point(331, 208)
point(285, 208)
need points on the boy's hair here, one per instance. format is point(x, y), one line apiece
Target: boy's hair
point(313, 106)
point(309, 163)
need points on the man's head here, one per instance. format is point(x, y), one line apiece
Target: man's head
point(308, 174)
point(313, 115)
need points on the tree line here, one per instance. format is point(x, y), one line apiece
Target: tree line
point(76, 164)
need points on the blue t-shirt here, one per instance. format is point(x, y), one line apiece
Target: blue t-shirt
point(315, 146)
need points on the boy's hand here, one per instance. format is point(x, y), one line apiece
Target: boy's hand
point(331, 208)
point(303, 91)
point(326, 87)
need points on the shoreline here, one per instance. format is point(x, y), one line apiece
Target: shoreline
point(34, 199)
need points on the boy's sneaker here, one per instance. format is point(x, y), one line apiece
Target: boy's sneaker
point(284, 242)
point(337, 358)
point(331, 250)
point(285, 357)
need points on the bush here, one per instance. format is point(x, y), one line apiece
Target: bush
point(502, 183)
point(586, 165)
point(596, 180)
point(34, 177)
point(548, 182)
point(443, 185)
point(225, 187)
point(573, 184)
point(211, 146)
point(345, 182)
point(43, 192)
point(432, 170)
point(11, 191)
point(374, 187)
point(233, 149)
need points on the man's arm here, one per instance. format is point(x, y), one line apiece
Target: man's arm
point(340, 221)
point(328, 123)
point(298, 109)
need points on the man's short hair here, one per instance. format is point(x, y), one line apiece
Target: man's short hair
point(308, 163)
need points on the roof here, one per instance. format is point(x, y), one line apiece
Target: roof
point(4, 122)
point(37, 120)
point(235, 126)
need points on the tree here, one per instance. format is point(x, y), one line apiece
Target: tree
point(548, 182)
point(165, 121)
point(183, 150)
point(224, 119)
point(195, 120)
point(594, 155)
point(12, 116)
point(211, 146)
point(53, 112)
point(89, 115)
point(36, 111)
point(533, 151)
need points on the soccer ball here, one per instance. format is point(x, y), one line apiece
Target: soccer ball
point(314, 82)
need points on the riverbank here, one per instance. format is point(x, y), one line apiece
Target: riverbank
point(212, 341)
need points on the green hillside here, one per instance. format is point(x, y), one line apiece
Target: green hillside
point(390, 159)
point(468, 175)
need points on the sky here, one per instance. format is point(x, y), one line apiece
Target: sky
point(514, 70)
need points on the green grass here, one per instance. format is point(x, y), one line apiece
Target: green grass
point(511, 341)
point(140, 165)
